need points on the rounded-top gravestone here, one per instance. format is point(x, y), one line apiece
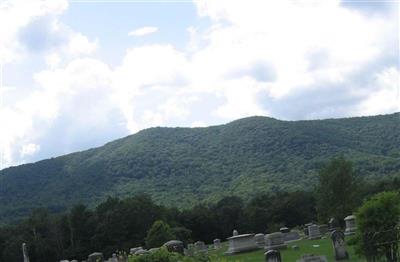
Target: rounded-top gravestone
point(174, 246)
point(96, 257)
point(273, 256)
point(235, 232)
point(284, 230)
point(217, 243)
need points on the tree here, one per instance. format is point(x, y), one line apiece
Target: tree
point(337, 190)
point(229, 212)
point(158, 234)
point(377, 221)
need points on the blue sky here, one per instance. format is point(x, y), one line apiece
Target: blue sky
point(79, 74)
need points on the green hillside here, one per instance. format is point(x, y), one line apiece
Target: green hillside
point(180, 166)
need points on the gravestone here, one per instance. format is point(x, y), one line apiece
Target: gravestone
point(235, 232)
point(190, 250)
point(217, 243)
point(313, 232)
point(113, 258)
point(96, 257)
point(333, 224)
point(241, 243)
point(141, 252)
point(339, 245)
point(323, 229)
point(25, 252)
point(291, 236)
point(272, 256)
point(174, 246)
point(284, 230)
point(200, 247)
point(260, 240)
point(312, 258)
point(306, 228)
point(134, 249)
point(351, 226)
point(274, 241)
point(154, 249)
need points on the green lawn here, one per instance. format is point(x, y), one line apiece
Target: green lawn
point(289, 255)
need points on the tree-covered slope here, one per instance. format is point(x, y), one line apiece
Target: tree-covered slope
point(181, 166)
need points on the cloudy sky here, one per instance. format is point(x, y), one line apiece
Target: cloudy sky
point(77, 74)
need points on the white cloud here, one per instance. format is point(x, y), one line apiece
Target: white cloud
point(29, 149)
point(286, 59)
point(384, 96)
point(147, 30)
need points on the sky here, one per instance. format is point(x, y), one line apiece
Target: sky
point(78, 74)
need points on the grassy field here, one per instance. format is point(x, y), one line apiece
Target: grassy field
point(317, 247)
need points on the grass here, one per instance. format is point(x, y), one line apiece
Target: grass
point(317, 247)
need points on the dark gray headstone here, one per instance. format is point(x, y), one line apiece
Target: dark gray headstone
point(339, 245)
point(273, 256)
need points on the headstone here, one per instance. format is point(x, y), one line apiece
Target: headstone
point(312, 258)
point(313, 232)
point(291, 236)
point(235, 232)
point(274, 241)
point(217, 243)
point(134, 249)
point(77, 260)
point(323, 229)
point(306, 228)
point(96, 257)
point(25, 252)
point(113, 258)
point(333, 224)
point(260, 240)
point(351, 225)
point(241, 243)
point(141, 252)
point(339, 245)
point(200, 247)
point(154, 249)
point(284, 230)
point(273, 256)
point(190, 250)
point(175, 246)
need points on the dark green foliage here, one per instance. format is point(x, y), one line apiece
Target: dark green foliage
point(269, 212)
point(337, 190)
point(377, 220)
point(159, 233)
point(184, 166)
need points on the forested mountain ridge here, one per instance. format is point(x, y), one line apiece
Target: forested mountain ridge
point(181, 166)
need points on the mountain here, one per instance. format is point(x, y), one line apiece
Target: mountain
point(182, 166)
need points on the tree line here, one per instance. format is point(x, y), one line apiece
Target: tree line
point(120, 224)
